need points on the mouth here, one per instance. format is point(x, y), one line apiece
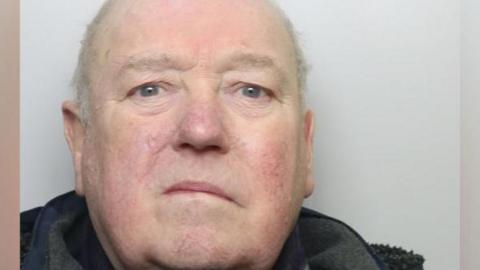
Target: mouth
point(186, 187)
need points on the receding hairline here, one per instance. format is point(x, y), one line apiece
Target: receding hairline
point(89, 50)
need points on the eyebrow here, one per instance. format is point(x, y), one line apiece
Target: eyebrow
point(156, 63)
point(242, 60)
point(235, 61)
point(252, 61)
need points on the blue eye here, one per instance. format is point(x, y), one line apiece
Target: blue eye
point(252, 91)
point(148, 90)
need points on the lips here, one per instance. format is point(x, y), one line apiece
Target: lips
point(197, 187)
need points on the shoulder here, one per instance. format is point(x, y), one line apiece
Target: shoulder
point(38, 225)
point(324, 238)
point(27, 223)
point(329, 241)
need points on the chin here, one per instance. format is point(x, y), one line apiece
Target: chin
point(202, 253)
point(199, 259)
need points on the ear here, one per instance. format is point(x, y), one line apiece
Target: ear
point(75, 134)
point(309, 126)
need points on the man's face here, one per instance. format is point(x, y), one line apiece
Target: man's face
point(197, 154)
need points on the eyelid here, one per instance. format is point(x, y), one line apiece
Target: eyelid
point(242, 85)
point(136, 89)
point(266, 95)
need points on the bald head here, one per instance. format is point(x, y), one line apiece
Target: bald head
point(89, 51)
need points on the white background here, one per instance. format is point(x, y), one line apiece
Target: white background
point(385, 86)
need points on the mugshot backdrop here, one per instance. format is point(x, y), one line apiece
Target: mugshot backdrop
point(470, 195)
point(384, 84)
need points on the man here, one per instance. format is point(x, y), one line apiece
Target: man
point(191, 146)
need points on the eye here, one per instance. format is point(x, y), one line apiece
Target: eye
point(252, 91)
point(148, 90)
point(152, 97)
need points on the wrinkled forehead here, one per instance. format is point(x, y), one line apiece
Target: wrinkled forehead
point(196, 27)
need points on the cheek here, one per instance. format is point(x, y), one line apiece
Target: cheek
point(121, 159)
point(273, 163)
point(276, 169)
point(133, 146)
point(119, 168)
point(273, 198)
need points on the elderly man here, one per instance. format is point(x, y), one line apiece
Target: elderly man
point(191, 146)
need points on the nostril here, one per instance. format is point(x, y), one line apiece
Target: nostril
point(200, 148)
point(184, 146)
point(213, 148)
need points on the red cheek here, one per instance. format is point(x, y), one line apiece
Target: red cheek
point(275, 168)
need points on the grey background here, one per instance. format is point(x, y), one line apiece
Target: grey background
point(470, 84)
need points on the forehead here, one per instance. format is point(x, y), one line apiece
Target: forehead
point(194, 15)
point(195, 28)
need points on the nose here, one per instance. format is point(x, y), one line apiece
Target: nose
point(201, 129)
